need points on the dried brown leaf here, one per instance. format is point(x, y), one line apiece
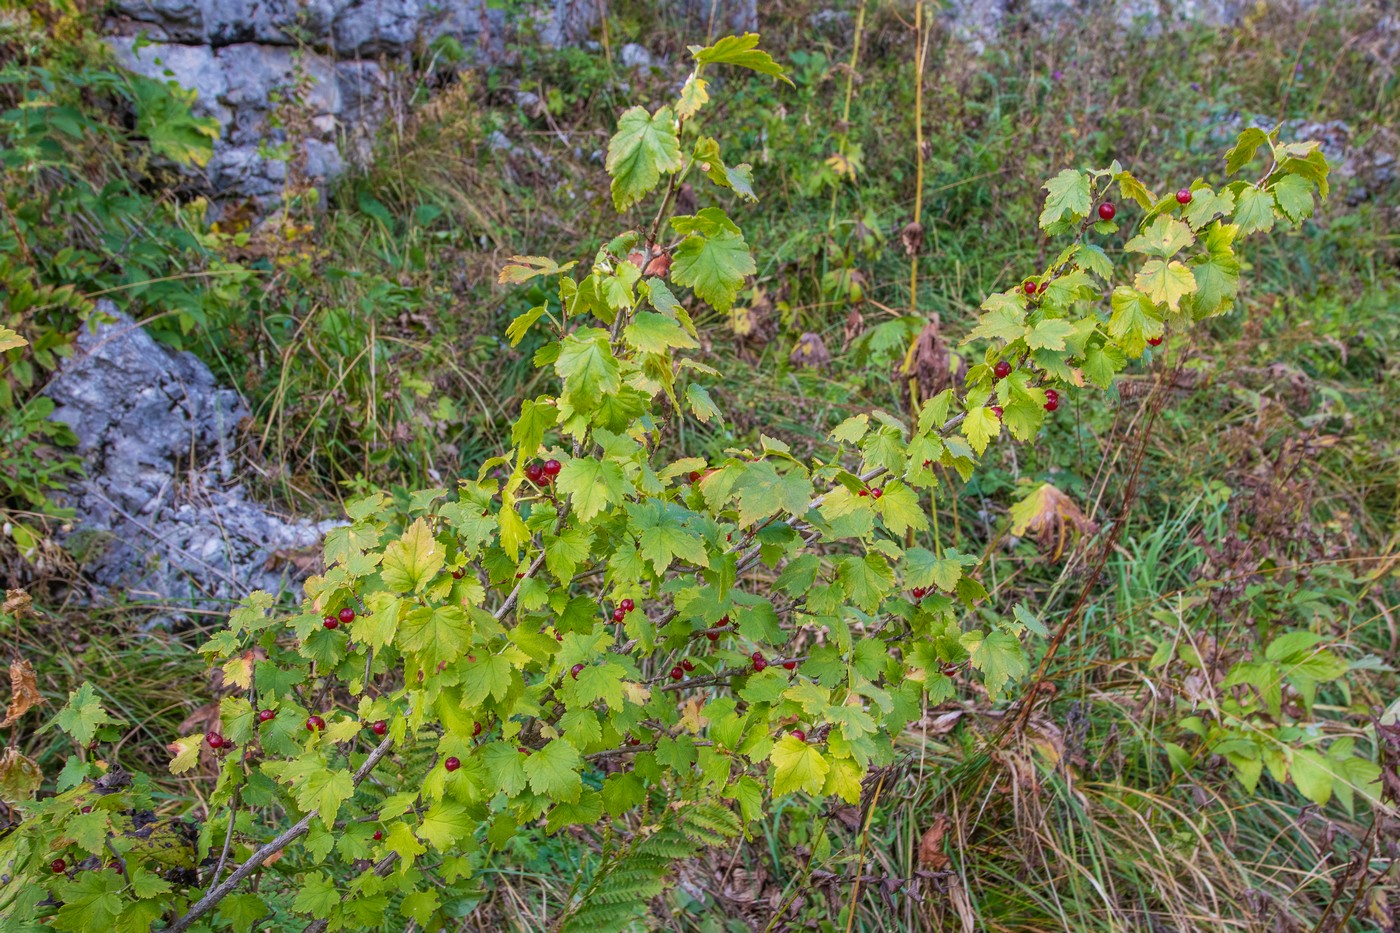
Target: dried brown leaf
point(24, 691)
point(931, 854)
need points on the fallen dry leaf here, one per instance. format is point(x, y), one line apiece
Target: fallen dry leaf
point(931, 854)
point(24, 691)
point(1051, 517)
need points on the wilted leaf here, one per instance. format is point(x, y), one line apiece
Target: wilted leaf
point(1050, 516)
point(24, 691)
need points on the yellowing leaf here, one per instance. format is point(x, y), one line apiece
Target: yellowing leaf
point(797, 766)
point(1165, 282)
point(186, 752)
point(9, 340)
point(644, 146)
point(413, 560)
point(843, 780)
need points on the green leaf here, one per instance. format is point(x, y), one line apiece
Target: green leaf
point(1255, 211)
point(412, 561)
point(592, 485)
point(1101, 363)
point(866, 579)
point(554, 771)
point(241, 911)
point(1068, 195)
point(797, 766)
point(521, 269)
point(1294, 197)
point(1165, 282)
point(1217, 273)
point(445, 824)
point(764, 491)
point(92, 901)
point(536, 417)
point(488, 675)
point(82, 715)
point(1049, 334)
point(1164, 239)
point(1242, 152)
point(899, 508)
point(436, 633)
point(644, 146)
point(998, 656)
point(1312, 775)
point(317, 895)
point(520, 326)
point(655, 333)
point(701, 406)
point(588, 368)
point(715, 265)
point(980, 426)
point(505, 767)
point(923, 569)
point(742, 51)
point(1134, 320)
point(664, 536)
point(1006, 321)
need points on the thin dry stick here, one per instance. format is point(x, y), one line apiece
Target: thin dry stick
point(864, 842)
point(917, 231)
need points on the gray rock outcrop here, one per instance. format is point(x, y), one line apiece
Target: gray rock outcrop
point(160, 517)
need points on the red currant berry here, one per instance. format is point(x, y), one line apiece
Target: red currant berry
point(86, 810)
point(214, 739)
point(688, 665)
point(876, 493)
point(633, 740)
point(627, 605)
point(552, 467)
point(451, 764)
point(695, 476)
point(267, 715)
point(799, 735)
point(58, 865)
point(1107, 210)
point(534, 473)
point(790, 665)
point(459, 573)
point(476, 729)
point(863, 492)
point(331, 622)
point(378, 835)
point(379, 727)
point(1029, 287)
point(759, 663)
point(315, 723)
point(998, 411)
point(712, 636)
point(558, 636)
point(1002, 369)
point(346, 615)
point(522, 749)
point(723, 621)
point(1183, 196)
point(1051, 395)
point(1052, 404)
point(1154, 341)
point(677, 673)
point(575, 671)
point(618, 614)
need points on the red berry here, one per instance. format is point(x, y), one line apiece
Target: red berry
point(214, 739)
point(378, 835)
point(476, 728)
point(927, 464)
point(876, 493)
point(627, 605)
point(633, 740)
point(1107, 210)
point(1051, 395)
point(347, 615)
point(552, 467)
point(799, 735)
point(695, 476)
point(315, 723)
point(267, 715)
point(1154, 341)
point(1052, 404)
point(918, 592)
point(677, 673)
point(522, 749)
point(712, 636)
point(575, 671)
point(997, 410)
point(86, 810)
point(1002, 369)
point(619, 614)
point(451, 764)
point(534, 473)
point(58, 865)
point(723, 621)
point(686, 663)
point(864, 492)
point(1183, 196)
point(331, 622)
point(1029, 287)
point(790, 665)
point(379, 727)
point(758, 662)
point(558, 636)
point(459, 573)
